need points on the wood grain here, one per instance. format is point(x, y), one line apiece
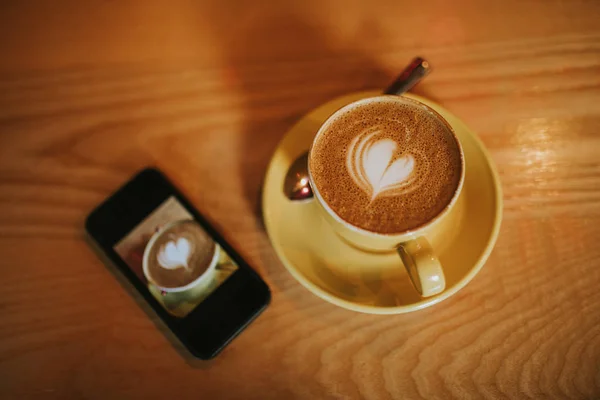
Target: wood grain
point(90, 92)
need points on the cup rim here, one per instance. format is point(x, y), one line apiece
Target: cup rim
point(200, 278)
point(409, 232)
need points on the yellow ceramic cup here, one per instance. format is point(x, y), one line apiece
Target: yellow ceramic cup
point(416, 248)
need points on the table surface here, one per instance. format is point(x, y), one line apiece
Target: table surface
point(90, 92)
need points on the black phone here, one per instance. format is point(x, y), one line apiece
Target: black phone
point(203, 291)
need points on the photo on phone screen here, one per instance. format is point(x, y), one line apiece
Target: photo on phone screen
point(175, 258)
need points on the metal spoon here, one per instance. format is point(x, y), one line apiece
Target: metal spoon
point(296, 185)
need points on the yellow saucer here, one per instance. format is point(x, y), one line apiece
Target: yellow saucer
point(376, 283)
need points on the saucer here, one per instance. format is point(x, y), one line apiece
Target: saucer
point(369, 282)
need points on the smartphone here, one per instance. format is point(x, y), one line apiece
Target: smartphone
point(203, 291)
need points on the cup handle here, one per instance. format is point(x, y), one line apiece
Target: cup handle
point(423, 267)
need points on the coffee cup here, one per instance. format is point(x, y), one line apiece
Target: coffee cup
point(387, 174)
point(180, 256)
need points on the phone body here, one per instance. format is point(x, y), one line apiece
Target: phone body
point(203, 291)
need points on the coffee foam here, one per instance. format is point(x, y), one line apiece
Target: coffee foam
point(180, 255)
point(386, 165)
point(371, 165)
point(175, 254)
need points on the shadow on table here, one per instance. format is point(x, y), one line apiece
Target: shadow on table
point(283, 65)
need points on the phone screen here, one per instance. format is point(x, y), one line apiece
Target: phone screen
point(175, 258)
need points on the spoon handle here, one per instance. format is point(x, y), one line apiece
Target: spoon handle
point(408, 78)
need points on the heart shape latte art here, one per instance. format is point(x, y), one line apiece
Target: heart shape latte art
point(369, 162)
point(174, 254)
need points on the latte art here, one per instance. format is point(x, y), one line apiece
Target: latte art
point(179, 254)
point(386, 165)
point(371, 165)
point(175, 254)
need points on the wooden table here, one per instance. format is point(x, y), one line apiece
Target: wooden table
point(90, 92)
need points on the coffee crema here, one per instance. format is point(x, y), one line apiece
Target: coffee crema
point(180, 255)
point(386, 165)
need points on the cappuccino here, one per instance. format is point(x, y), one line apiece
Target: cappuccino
point(179, 255)
point(386, 165)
